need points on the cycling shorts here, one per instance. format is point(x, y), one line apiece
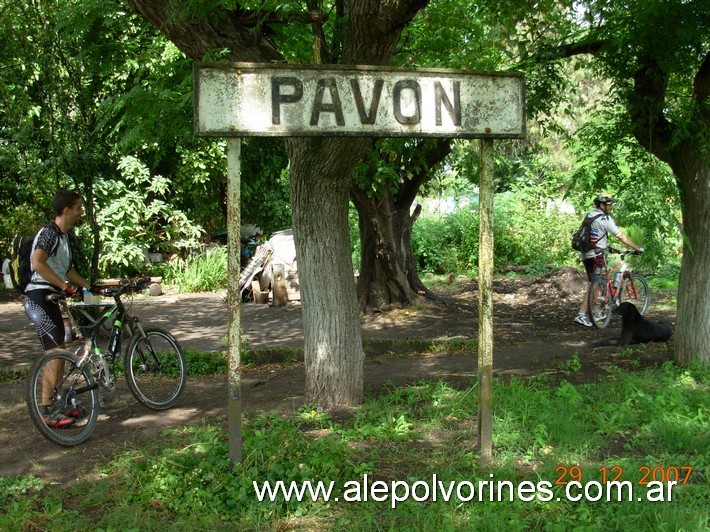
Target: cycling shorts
point(594, 266)
point(47, 318)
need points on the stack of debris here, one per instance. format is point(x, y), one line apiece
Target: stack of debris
point(272, 273)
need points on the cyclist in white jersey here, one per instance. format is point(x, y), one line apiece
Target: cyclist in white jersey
point(593, 260)
point(52, 272)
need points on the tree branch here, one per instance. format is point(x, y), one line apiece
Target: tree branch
point(701, 86)
point(590, 44)
point(408, 190)
point(374, 28)
point(645, 107)
point(321, 54)
point(217, 30)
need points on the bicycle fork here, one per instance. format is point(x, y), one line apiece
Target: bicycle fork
point(146, 364)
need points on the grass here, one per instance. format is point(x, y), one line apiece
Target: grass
point(633, 422)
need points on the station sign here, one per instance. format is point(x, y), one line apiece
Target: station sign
point(255, 99)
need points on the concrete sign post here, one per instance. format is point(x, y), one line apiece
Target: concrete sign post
point(248, 99)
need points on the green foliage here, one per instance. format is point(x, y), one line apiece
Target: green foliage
point(572, 365)
point(354, 229)
point(631, 421)
point(456, 34)
point(193, 479)
point(265, 184)
point(67, 63)
point(436, 244)
point(136, 216)
point(528, 231)
point(10, 375)
point(649, 209)
point(199, 273)
point(15, 487)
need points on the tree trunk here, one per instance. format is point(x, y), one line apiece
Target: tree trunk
point(321, 171)
point(692, 332)
point(388, 272)
point(685, 149)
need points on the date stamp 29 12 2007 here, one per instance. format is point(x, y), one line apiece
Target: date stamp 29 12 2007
point(642, 475)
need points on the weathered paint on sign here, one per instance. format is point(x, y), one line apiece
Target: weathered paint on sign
point(244, 99)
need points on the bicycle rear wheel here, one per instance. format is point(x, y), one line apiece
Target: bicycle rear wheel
point(599, 301)
point(155, 369)
point(62, 398)
point(634, 289)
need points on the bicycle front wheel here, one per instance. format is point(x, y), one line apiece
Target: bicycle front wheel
point(63, 398)
point(634, 289)
point(155, 368)
point(599, 301)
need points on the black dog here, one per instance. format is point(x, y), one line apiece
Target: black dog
point(636, 330)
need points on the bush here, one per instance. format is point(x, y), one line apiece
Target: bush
point(526, 232)
point(435, 245)
point(199, 273)
point(136, 215)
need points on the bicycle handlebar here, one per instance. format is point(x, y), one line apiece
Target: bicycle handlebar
point(135, 285)
point(58, 296)
point(623, 251)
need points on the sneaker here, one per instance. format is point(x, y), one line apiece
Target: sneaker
point(56, 420)
point(582, 319)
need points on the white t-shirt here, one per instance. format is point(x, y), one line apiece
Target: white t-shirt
point(59, 261)
point(600, 228)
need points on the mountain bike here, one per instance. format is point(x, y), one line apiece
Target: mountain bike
point(615, 285)
point(66, 382)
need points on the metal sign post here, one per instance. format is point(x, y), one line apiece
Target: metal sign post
point(234, 405)
point(485, 301)
point(237, 100)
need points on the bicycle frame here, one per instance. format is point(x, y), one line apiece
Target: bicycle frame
point(63, 387)
point(614, 292)
point(615, 283)
point(90, 351)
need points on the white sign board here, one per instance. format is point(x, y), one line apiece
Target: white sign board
point(250, 99)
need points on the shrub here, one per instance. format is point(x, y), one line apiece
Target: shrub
point(526, 232)
point(199, 273)
point(136, 215)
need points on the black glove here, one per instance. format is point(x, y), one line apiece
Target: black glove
point(95, 289)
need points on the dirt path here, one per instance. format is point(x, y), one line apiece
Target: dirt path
point(534, 334)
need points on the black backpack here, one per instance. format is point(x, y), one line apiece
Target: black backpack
point(581, 237)
point(20, 259)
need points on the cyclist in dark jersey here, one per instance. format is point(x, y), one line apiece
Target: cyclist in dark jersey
point(52, 272)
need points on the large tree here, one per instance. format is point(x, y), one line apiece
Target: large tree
point(384, 193)
point(363, 32)
point(457, 34)
point(657, 55)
